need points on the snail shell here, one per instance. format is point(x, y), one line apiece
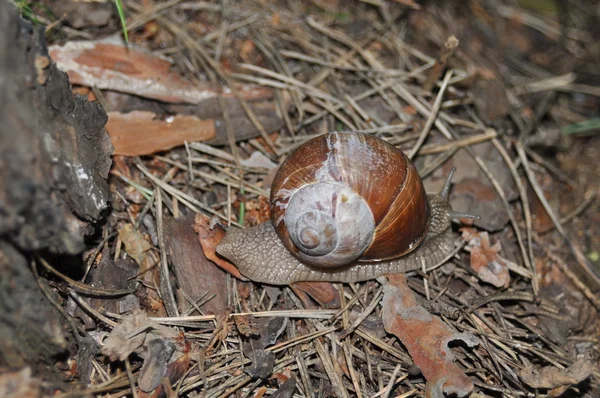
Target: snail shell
point(344, 196)
point(345, 207)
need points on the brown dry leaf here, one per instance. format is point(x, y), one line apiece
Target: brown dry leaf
point(246, 48)
point(343, 363)
point(256, 212)
point(550, 377)
point(247, 325)
point(541, 221)
point(516, 36)
point(209, 239)
point(142, 133)
point(286, 389)
point(282, 376)
point(260, 392)
point(276, 19)
point(409, 110)
point(221, 330)
point(137, 247)
point(426, 338)
point(133, 333)
point(323, 293)
point(177, 369)
point(121, 165)
point(490, 98)
point(485, 258)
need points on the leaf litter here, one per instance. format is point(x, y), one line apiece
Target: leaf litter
point(374, 67)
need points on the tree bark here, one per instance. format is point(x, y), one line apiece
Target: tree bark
point(54, 162)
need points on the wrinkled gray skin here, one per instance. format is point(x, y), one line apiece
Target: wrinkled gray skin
point(259, 254)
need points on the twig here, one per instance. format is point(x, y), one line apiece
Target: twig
point(432, 116)
point(388, 388)
point(448, 49)
point(90, 310)
point(82, 287)
point(165, 281)
point(336, 382)
point(528, 257)
point(363, 315)
point(462, 143)
point(130, 378)
point(590, 198)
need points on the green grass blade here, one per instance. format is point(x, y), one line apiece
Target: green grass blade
point(119, 4)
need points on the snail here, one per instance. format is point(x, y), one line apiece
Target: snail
point(345, 207)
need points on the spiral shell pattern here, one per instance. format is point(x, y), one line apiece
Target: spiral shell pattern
point(344, 197)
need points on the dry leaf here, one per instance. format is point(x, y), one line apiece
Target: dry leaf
point(247, 325)
point(550, 377)
point(180, 362)
point(137, 247)
point(221, 331)
point(287, 388)
point(267, 330)
point(323, 293)
point(133, 333)
point(246, 48)
point(155, 364)
point(541, 221)
point(175, 371)
point(485, 258)
point(426, 338)
point(257, 211)
point(209, 239)
point(275, 19)
point(258, 159)
point(121, 165)
point(262, 364)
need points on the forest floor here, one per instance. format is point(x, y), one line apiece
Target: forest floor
point(209, 98)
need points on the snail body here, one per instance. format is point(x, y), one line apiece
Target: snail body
point(345, 207)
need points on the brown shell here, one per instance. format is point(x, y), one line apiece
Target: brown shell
point(374, 169)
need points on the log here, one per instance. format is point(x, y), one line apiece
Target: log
point(54, 162)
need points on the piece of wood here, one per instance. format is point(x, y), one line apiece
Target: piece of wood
point(196, 276)
point(54, 161)
point(110, 65)
point(54, 151)
point(141, 133)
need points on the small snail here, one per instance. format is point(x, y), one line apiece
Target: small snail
point(345, 207)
